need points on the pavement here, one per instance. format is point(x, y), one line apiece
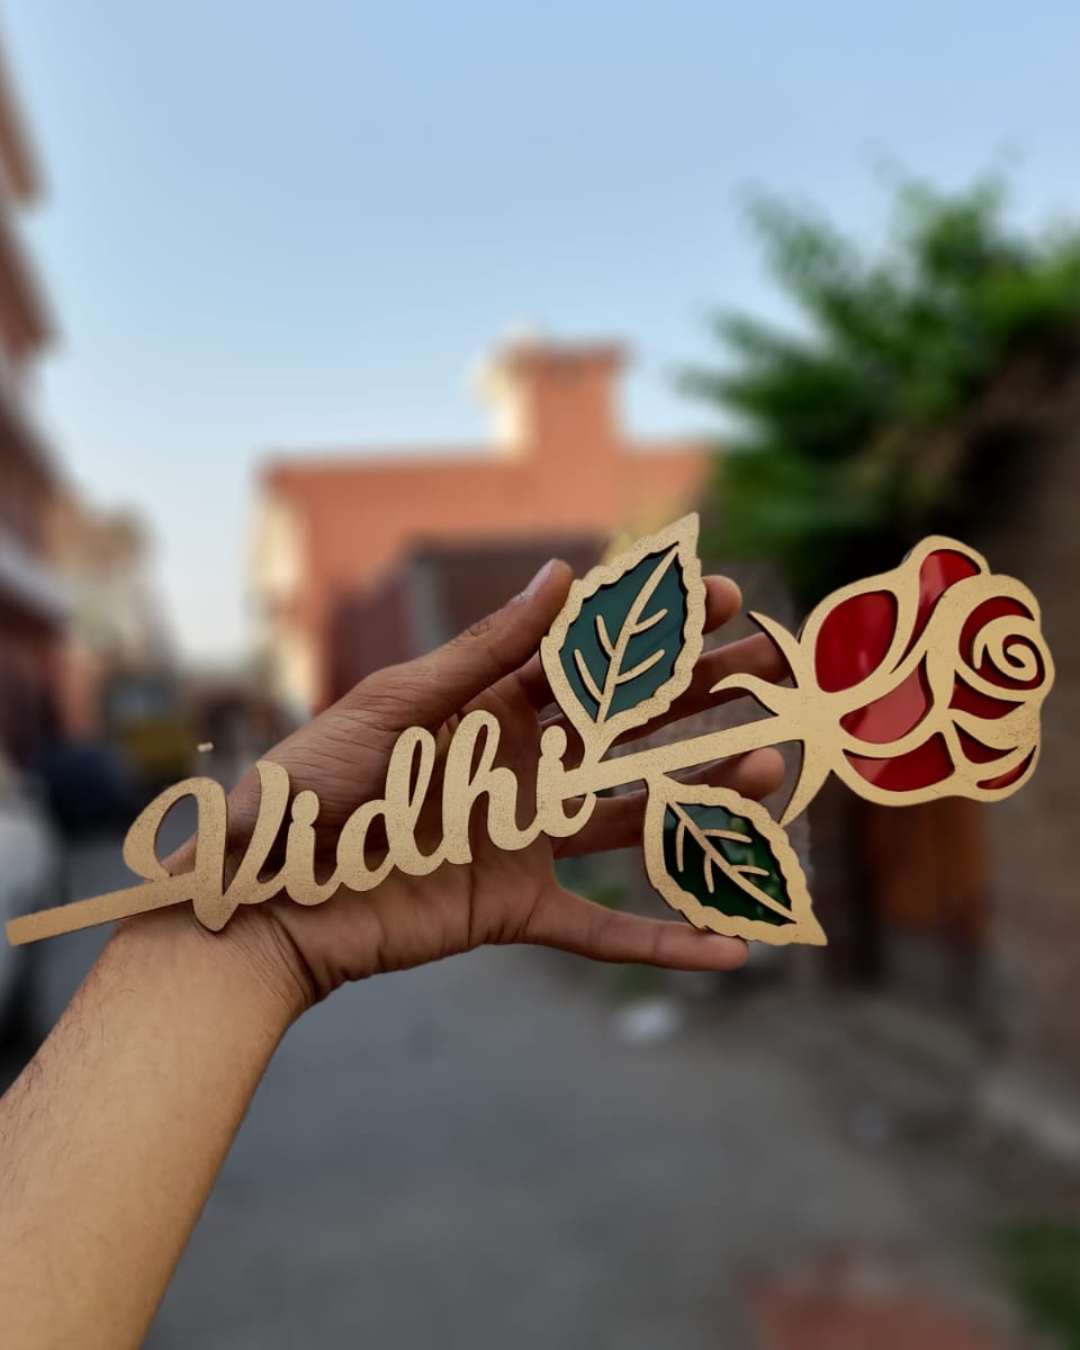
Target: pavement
point(476, 1155)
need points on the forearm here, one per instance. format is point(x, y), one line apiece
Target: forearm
point(112, 1137)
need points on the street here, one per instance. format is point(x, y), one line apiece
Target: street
point(468, 1156)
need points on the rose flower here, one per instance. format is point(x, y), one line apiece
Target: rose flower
point(922, 682)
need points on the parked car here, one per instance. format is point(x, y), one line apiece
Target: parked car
point(29, 878)
point(88, 786)
point(146, 716)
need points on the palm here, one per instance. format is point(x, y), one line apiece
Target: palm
point(409, 920)
point(500, 896)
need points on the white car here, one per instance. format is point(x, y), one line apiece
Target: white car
point(29, 872)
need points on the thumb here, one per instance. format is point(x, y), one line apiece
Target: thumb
point(434, 687)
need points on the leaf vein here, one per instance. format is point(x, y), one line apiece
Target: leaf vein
point(630, 627)
point(586, 675)
point(715, 857)
point(650, 622)
point(641, 667)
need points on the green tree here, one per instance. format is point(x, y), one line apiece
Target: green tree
point(846, 449)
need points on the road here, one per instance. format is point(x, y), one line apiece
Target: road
point(469, 1156)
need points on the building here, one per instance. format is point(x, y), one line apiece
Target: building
point(968, 916)
point(437, 590)
point(115, 626)
point(1033, 943)
point(329, 531)
point(32, 606)
point(75, 602)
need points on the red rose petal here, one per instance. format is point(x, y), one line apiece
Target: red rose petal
point(976, 752)
point(940, 570)
point(853, 640)
point(1006, 779)
point(919, 768)
point(997, 607)
point(966, 699)
point(894, 714)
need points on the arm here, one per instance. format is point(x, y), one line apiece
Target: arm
point(111, 1139)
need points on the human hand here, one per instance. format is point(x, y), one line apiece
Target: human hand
point(500, 897)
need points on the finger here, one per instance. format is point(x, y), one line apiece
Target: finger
point(562, 919)
point(432, 688)
point(722, 601)
point(534, 683)
point(616, 821)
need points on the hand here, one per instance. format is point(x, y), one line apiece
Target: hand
point(500, 897)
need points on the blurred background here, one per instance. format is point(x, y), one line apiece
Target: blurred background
point(321, 327)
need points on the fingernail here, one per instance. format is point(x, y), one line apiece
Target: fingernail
point(538, 580)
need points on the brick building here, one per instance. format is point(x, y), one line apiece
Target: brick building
point(329, 531)
point(437, 590)
point(115, 620)
point(1033, 413)
point(974, 910)
point(31, 603)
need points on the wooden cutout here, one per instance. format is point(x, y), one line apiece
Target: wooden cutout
point(670, 812)
point(922, 682)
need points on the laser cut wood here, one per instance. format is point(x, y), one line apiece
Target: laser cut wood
point(922, 682)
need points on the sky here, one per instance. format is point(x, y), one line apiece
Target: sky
point(298, 226)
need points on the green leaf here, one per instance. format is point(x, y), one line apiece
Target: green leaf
point(896, 354)
point(722, 861)
point(625, 644)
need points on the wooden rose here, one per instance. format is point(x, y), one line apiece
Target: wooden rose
point(924, 681)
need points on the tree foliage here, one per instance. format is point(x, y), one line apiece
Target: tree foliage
point(833, 463)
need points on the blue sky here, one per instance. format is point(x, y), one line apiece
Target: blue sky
point(298, 224)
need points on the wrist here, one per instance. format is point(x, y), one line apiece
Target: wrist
point(253, 958)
